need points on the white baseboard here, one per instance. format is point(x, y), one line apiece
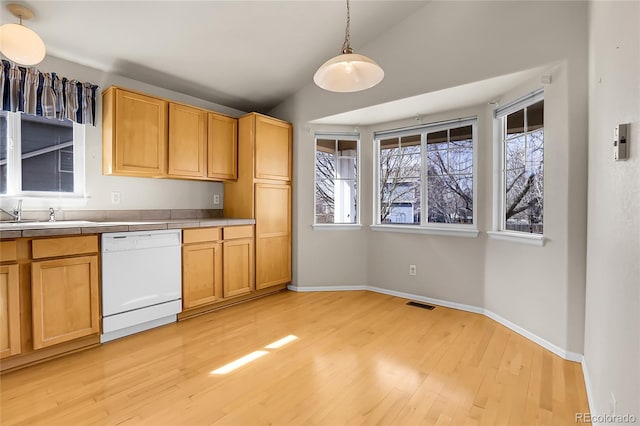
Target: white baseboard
point(562, 353)
point(570, 356)
point(439, 302)
point(327, 288)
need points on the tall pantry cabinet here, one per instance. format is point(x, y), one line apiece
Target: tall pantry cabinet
point(263, 192)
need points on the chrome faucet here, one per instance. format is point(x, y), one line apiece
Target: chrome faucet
point(17, 212)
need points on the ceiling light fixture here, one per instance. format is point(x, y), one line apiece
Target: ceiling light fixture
point(348, 72)
point(19, 43)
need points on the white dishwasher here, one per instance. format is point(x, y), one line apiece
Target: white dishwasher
point(141, 281)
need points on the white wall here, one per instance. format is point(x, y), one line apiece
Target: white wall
point(135, 193)
point(542, 288)
point(448, 268)
point(612, 329)
point(442, 45)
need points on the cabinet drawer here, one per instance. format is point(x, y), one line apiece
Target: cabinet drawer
point(234, 232)
point(8, 251)
point(68, 246)
point(201, 235)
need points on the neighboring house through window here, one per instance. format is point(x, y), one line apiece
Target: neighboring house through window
point(425, 175)
point(336, 178)
point(40, 156)
point(521, 126)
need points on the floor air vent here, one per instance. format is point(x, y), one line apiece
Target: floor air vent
point(421, 305)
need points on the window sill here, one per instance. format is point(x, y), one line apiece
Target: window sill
point(408, 229)
point(336, 227)
point(516, 237)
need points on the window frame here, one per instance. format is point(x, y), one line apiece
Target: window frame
point(499, 230)
point(346, 136)
point(426, 227)
point(14, 164)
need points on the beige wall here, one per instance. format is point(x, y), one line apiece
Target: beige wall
point(135, 193)
point(612, 328)
point(420, 55)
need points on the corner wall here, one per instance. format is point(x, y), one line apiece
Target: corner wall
point(420, 55)
point(612, 326)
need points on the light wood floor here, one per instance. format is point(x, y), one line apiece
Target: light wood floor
point(360, 358)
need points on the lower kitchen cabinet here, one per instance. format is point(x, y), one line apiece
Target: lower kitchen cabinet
point(238, 267)
point(9, 311)
point(49, 298)
point(65, 300)
point(273, 235)
point(217, 265)
point(201, 274)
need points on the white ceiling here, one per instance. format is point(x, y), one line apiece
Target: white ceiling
point(249, 55)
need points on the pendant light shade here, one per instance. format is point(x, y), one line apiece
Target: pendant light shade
point(348, 72)
point(19, 43)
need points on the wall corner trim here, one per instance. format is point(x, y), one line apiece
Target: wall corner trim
point(562, 353)
point(587, 385)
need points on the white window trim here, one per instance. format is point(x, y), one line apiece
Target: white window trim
point(347, 136)
point(518, 237)
point(44, 198)
point(451, 230)
point(448, 229)
point(498, 231)
point(336, 226)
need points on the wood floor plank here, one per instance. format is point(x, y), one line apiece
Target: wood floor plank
point(360, 358)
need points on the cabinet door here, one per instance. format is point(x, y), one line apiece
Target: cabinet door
point(9, 311)
point(140, 135)
point(238, 278)
point(201, 274)
point(222, 147)
point(64, 295)
point(187, 141)
point(273, 235)
point(272, 149)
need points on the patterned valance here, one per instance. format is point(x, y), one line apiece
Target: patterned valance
point(46, 94)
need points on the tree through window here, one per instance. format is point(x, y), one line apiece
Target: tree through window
point(523, 173)
point(336, 179)
point(426, 175)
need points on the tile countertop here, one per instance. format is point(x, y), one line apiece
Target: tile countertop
point(77, 227)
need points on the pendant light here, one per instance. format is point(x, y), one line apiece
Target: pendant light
point(348, 72)
point(17, 42)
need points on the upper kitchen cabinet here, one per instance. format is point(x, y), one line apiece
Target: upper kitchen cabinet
point(222, 143)
point(272, 148)
point(134, 134)
point(146, 136)
point(187, 141)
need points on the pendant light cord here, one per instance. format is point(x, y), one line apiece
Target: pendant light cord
point(346, 46)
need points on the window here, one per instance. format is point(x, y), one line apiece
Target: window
point(425, 175)
point(40, 156)
point(336, 179)
point(522, 175)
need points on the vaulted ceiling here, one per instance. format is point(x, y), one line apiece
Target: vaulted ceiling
point(249, 55)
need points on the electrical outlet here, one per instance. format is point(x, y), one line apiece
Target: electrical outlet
point(216, 199)
point(115, 197)
point(412, 270)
